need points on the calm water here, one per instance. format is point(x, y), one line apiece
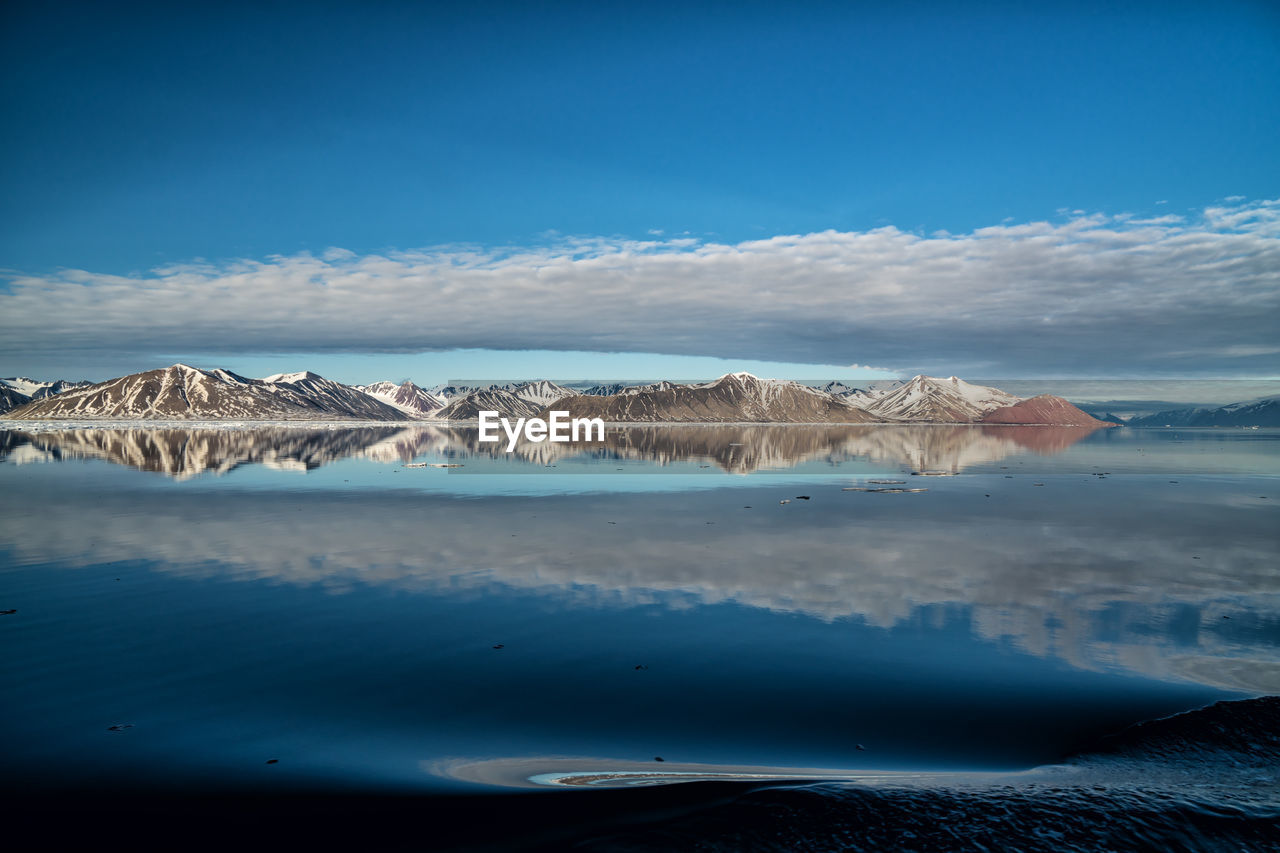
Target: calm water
point(564, 616)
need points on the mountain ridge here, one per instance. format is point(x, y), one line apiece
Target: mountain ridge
point(183, 392)
point(1262, 413)
point(734, 397)
point(407, 396)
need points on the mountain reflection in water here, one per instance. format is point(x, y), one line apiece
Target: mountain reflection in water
point(184, 452)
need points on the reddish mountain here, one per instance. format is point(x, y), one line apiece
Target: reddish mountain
point(1045, 409)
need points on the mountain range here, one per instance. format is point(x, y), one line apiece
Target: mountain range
point(37, 390)
point(19, 390)
point(181, 392)
point(537, 391)
point(1262, 413)
point(733, 397)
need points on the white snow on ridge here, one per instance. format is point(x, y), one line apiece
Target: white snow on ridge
point(23, 385)
point(277, 378)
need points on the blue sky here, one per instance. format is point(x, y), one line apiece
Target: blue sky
point(149, 138)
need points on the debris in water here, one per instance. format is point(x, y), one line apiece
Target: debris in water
point(499, 646)
point(119, 727)
point(881, 491)
point(273, 761)
point(15, 610)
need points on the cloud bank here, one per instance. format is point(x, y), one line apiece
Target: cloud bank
point(1090, 295)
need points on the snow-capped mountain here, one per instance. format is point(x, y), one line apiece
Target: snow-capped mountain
point(925, 399)
point(839, 389)
point(613, 388)
point(663, 385)
point(58, 386)
point(541, 392)
point(37, 390)
point(864, 398)
point(449, 393)
point(182, 392)
point(734, 397)
point(607, 390)
point(1264, 412)
point(405, 396)
point(328, 396)
point(506, 404)
point(24, 386)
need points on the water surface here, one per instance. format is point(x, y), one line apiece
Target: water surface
point(712, 596)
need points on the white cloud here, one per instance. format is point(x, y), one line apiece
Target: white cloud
point(1167, 219)
point(1123, 295)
